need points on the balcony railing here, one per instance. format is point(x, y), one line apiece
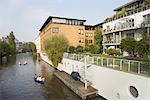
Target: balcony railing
point(121, 29)
point(130, 66)
point(145, 24)
point(130, 12)
point(110, 43)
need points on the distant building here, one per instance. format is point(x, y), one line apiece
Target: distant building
point(37, 43)
point(73, 29)
point(129, 21)
point(21, 46)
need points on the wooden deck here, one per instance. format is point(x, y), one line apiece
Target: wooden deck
point(76, 86)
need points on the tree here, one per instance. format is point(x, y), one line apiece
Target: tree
point(4, 49)
point(72, 49)
point(55, 47)
point(94, 49)
point(79, 49)
point(143, 48)
point(12, 43)
point(128, 44)
point(98, 39)
point(31, 47)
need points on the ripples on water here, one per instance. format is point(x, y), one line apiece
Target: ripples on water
point(16, 82)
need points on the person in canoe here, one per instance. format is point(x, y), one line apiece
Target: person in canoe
point(39, 79)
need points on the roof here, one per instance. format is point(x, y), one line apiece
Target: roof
point(50, 18)
point(131, 2)
point(99, 24)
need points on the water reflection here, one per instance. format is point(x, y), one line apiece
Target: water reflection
point(16, 82)
point(6, 61)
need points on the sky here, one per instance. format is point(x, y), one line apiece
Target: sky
point(25, 17)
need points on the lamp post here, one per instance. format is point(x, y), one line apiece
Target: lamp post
point(85, 70)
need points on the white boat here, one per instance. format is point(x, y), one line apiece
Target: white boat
point(25, 62)
point(20, 63)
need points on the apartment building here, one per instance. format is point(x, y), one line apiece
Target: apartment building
point(73, 29)
point(129, 20)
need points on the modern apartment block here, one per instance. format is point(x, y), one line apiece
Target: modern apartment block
point(129, 20)
point(73, 29)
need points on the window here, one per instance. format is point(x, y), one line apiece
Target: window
point(80, 31)
point(81, 40)
point(55, 30)
point(146, 19)
point(70, 22)
point(133, 91)
point(86, 34)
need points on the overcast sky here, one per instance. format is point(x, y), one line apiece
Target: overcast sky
point(25, 17)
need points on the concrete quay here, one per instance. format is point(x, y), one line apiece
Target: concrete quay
point(76, 86)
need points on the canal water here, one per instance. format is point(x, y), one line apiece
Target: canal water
point(16, 81)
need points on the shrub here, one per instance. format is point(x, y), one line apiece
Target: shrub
point(72, 49)
point(112, 52)
point(79, 49)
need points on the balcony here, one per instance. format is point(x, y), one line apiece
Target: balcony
point(110, 43)
point(116, 30)
point(145, 24)
point(127, 13)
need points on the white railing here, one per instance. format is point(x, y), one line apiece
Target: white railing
point(131, 66)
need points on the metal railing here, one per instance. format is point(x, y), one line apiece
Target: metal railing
point(131, 66)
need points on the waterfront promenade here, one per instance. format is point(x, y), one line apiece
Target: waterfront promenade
point(76, 86)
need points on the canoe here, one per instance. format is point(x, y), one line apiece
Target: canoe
point(35, 79)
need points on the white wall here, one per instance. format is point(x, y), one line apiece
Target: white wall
point(45, 58)
point(111, 82)
point(37, 43)
point(138, 18)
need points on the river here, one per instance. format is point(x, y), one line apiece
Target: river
point(16, 81)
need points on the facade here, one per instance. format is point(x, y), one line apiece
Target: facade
point(21, 46)
point(37, 43)
point(130, 20)
point(73, 29)
point(89, 34)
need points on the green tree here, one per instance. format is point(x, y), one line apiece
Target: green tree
point(4, 49)
point(94, 49)
point(129, 45)
point(55, 47)
point(31, 47)
point(87, 48)
point(72, 49)
point(143, 48)
point(79, 49)
point(12, 43)
point(98, 39)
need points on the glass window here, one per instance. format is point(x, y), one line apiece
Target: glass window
point(133, 91)
point(55, 30)
point(80, 31)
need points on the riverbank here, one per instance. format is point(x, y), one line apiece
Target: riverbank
point(70, 85)
point(76, 86)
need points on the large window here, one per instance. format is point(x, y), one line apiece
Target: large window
point(55, 30)
point(146, 19)
point(81, 31)
point(81, 40)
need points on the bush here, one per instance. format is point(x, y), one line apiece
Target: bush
point(94, 49)
point(79, 49)
point(71, 49)
point(112, 52)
